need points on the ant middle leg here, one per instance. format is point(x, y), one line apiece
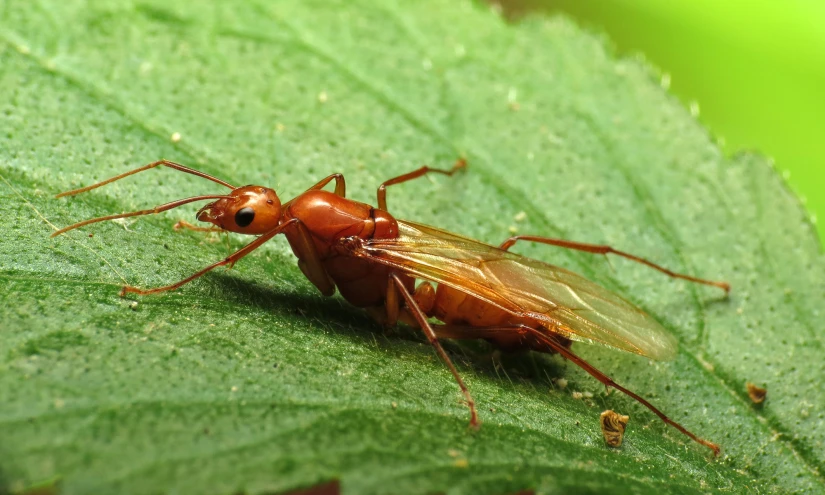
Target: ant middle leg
point(382, 189)
point(391, 312)
point(425, 326)
point(424, 296)
point(604, 249)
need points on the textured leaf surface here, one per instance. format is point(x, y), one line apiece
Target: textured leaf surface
point(248, 380)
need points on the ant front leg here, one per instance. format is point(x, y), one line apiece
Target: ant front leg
point(424, 324)
point(603, 249)
point(382, 189)
point(229, 260)
point(309, 261)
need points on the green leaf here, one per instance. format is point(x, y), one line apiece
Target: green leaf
point(248, 380)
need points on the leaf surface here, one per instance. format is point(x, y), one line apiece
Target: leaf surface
point(249, 381)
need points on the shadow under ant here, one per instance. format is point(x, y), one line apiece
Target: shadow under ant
point(338, 316)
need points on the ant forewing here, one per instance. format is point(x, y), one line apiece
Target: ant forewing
point(474, 290)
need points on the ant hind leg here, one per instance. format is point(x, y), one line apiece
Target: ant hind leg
point(426, 327)
point(603, 249)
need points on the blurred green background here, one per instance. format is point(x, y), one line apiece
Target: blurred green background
point(754, 69)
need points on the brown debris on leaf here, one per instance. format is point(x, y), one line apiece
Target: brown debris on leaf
point(757, 394)
point(613, 426)
point(329, 488)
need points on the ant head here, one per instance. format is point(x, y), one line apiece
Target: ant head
point(247, 210)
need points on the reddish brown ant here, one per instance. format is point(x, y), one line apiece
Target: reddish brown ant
point(480, 292)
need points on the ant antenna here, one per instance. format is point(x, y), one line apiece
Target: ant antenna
point(167, 163)
point(152, 211)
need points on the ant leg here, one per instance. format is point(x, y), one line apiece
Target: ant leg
point(392, 305)
point(309, 261)
point(229, 260)
point(602, 249)
point(167, 163)
point(340, 184)
point(424, 297)
point(382, 189)
point(549, 343)
point(393, 312)
point(425, 326)
point(608, 382)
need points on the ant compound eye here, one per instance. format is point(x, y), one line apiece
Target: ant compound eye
point(244, 216)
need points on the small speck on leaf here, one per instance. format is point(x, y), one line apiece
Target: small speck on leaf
point(757, 394)
point(613, 427)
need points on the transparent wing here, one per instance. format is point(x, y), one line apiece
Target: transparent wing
point(563, 301)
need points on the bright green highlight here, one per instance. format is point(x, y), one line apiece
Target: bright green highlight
point(756, 69)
